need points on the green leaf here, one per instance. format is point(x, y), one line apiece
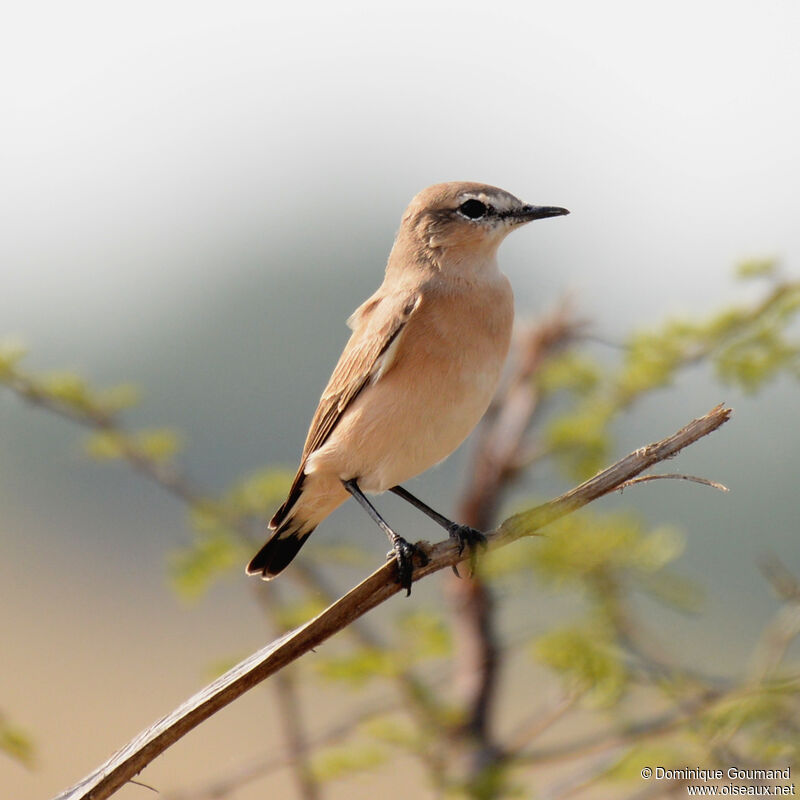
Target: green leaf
point(106, 445)
point(629, 766)
point(67, 388)
point(117, 398)
point(587, 659)
point(11, 353)
point(343, 762)
point(398, 733)
point(260, 493)
point(585, 544)
point(194, 568)
point(158, 444)
point(743, 709)
point(290, 615)
point(360, 666)
point(674, 591)
point(756, 268)
point(571, 372)
point(753, 360)
point(14, 742)
point(580, 439)
point(424, 635)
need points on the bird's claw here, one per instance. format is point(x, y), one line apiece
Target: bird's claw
point(465, 535)
point(403, 553)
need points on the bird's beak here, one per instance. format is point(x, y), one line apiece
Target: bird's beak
point(529, 213)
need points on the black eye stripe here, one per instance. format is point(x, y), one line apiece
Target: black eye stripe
point(473, 209)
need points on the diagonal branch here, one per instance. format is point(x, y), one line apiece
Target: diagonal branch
point(371, 592)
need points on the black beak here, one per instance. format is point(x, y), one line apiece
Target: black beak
point(529, 213)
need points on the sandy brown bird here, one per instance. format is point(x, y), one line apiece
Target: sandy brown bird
point(417, 373)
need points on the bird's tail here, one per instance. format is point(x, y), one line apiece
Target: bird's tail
point(310, 500)
point(291, 530)
point(279, 549)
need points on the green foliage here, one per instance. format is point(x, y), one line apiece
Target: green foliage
point(360, 665)
point(586, 545)
point(398, 734)
point(421, 636)
point(757, 268)
point(156, 445)
point(747, 346)
point(114, 399)
point(762, 717)
point(673, 590)
point(757, 357)
point(290, 615)
point(67, 388)
point(64, 391)
point(628, 768)
point(16, 743)
point(258, 494)
point(192, 569)
point(588, 659)
point(569, 372)
point(580, 438)
point(338, 763)
point(11, 354)
point(220, 544)
point(490, 782)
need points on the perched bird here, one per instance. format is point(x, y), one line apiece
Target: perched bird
point(417, 373)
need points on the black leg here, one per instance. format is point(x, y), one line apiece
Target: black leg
point(438, 518)
point(402, 551)
point(462, 533)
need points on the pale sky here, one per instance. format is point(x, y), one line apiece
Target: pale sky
point(145, 146)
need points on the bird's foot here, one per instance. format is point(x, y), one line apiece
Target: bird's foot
point(403, 553)
point(466, 536)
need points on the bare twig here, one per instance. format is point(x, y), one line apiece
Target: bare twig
point(371, 592)
point(784, 627)
point(610, 479)
point(615, 739)
point(674, 476)
point(541, 721)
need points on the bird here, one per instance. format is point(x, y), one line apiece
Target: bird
point(417, 374)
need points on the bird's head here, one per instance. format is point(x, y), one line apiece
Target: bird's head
point(461, 221)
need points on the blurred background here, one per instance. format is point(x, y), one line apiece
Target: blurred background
point(196, 196)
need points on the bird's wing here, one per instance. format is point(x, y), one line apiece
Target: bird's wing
point(376, 324)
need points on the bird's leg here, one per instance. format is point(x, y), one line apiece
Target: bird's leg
point(402, 551)
point(463, 534)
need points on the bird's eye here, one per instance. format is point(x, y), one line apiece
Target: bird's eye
point(473, 209)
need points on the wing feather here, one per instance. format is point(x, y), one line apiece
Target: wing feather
point(376, 327)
